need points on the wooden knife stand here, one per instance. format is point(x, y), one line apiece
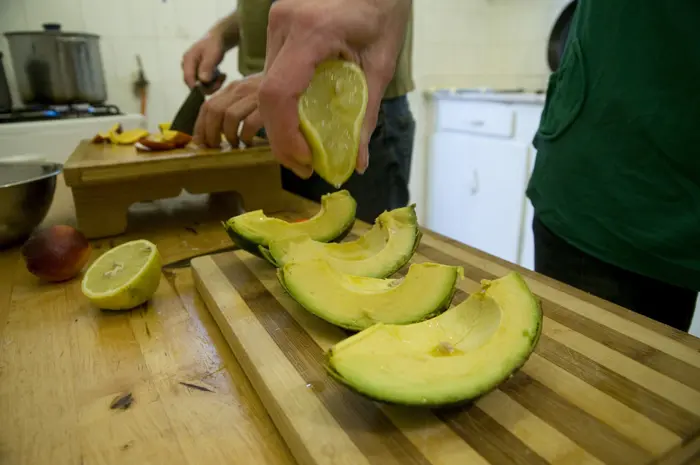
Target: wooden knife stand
point(107, 179)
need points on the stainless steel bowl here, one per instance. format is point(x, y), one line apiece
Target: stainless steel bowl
point(26, 193)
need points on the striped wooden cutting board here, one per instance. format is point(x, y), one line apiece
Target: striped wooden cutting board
point(603, 387)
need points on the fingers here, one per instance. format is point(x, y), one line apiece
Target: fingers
point(207, 129)
point(286, 79)
point(277, 27)
point(375, 91)
point(216, 85)
point(190, 62)
point(214, 119)
point(207, 65)
point(200, 61)
point(236, 113)
point(251, 125)
point(225, 111)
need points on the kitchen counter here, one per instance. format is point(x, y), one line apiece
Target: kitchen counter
point(486, 95)
point(62, 362)
point(604, 386)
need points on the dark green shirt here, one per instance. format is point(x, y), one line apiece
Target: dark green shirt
point(617, 172)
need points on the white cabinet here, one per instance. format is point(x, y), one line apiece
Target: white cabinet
point(528, 121)
point(476, 193)
point(449, 198)
point(479, 164)
point(527, 254)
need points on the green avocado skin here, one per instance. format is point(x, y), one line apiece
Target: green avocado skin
point(447, 403)
point(407, 258)
point(431, 405)
point(265, 253)
point(444, 305)
point(242, 242)
point(262, 251)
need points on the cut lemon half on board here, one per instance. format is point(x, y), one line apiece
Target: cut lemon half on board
point(124, 277)
point(331, 112)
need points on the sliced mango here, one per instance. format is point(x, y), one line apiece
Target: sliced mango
point(108, 136)
point(129, 137)
point(168, 140)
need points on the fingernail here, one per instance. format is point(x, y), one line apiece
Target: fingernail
point(304, 172)
point(364, 163)
point(205, 76)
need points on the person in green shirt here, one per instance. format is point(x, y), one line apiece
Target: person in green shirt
point(233, 110)
point(616, 182)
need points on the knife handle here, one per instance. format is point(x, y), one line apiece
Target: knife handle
point(207, 85)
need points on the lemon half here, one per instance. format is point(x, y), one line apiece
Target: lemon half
point(331, 112)
point(124, 277)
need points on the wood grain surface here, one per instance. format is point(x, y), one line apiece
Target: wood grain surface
point(100, 163)
point(106, 179)
point(63, 362)
point(603, 386)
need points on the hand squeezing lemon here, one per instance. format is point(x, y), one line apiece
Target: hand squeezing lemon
point(331, 112)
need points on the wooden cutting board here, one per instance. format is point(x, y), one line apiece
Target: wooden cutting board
point(104, 163)
point(603, 387)
point(106, 179)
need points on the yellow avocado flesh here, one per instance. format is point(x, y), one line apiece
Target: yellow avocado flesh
point(379, 253)
point(466, 351)
point(336, 215)
point(356, 302)
point(292, 249)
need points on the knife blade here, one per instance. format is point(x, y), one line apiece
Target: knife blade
point(186, 116)
point(185, 262)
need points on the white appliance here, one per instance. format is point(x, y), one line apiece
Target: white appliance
point(55, 140)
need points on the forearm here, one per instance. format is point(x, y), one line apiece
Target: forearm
point(228, 29)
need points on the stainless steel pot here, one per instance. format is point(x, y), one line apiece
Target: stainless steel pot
point(54, 67)
point(26, 193)
point(5, 96)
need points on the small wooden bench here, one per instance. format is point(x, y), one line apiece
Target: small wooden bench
point(106, 179)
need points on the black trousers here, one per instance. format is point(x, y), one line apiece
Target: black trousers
point(663, 302)
point(384, 186)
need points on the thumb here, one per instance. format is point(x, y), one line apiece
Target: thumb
point(209, 62)
point(375, 90)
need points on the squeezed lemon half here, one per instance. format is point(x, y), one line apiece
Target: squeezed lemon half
point(331, 112)
point(124, 277)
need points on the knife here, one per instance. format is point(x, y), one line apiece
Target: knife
point(186, 116)
point(185, 262)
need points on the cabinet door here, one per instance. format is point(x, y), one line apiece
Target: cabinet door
point(527, 256)
point(449, 201)
point(498, 177)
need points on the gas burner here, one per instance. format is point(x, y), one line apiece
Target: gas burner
point(57, 112)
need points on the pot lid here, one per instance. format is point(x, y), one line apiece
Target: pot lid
point(51, 29)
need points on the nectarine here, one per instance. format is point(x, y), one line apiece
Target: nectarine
point(57, 253)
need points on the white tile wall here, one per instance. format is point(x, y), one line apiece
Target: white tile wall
point(457, 43)
point(160, 31)
point(475, 43)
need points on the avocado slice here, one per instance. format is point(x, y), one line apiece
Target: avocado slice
point(356, 302)
point(455, 357)
point(333, 221)
point(379, 253)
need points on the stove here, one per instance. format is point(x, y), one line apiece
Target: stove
point(57, 112)
point(53, 132)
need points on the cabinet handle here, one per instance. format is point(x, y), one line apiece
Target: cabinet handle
point(477, 123)
point(475, 184)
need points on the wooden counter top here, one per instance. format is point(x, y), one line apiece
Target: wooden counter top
point(93, 163)
point(603, 380)
point(62, 362)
